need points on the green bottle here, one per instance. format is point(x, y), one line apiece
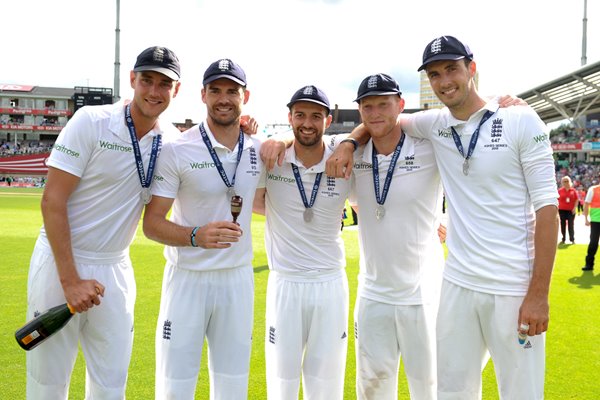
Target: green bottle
point(43, 326)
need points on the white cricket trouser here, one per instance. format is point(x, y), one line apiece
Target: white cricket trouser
point(471, 326)
point(386, 332)
point(306, 335)
point(218, 305)
point(105, 331)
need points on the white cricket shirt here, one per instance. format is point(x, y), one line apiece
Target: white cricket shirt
point(491, 210)
point(400, 254)
point(105, 208)
point(187, 173)
point(293, 245)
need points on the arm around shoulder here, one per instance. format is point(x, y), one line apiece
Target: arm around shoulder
point(340, 163)
point(272, 150)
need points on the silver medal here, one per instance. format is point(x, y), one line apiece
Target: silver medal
point(146, 195)
point(230, 192)
point(466, 167)
point(308, 214)
point(379, 212)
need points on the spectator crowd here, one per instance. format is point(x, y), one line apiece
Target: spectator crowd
point(583, 174)
point(8, 148)
point(569, 134)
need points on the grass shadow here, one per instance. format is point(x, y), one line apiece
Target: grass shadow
point(587, 280)
point(564, 246)
point(261, 268)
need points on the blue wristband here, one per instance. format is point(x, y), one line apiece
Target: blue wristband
point(193, 236)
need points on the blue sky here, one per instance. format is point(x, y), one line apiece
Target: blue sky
point(286, 44)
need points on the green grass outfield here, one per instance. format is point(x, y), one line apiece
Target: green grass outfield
point(573, 340)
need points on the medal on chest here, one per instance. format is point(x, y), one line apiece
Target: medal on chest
point(145, 178)
point(472, 143)
point(380, 198)
point(308, 211)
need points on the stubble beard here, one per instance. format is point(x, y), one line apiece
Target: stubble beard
point(308, 142)
point(226, 122)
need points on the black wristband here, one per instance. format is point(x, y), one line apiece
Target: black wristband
point(350, 140)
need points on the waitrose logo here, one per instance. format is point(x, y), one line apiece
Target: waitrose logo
point(115, 146)
point(280, 178)
point(66, 150)
point(202, 165)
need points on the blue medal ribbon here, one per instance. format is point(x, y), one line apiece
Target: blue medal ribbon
point(145, 179)
point(388, 177)
point(216, 159)
point(473, 141)
point(315, 189)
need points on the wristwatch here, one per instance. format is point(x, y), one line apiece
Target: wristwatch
point(350, 140)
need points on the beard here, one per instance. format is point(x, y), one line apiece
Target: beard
point(308, 141)
point(225, 121)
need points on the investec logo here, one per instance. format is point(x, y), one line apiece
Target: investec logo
point(115, 146)
point(280, 178)
point(202, 165)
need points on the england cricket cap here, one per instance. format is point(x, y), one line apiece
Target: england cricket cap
point(158, 59)
point(445, 48)
point(312, 94)
point(225, 68)
point(377, 85)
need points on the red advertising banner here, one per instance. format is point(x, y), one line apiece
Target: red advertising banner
point(34, 111)
point(566, 146)
point(31, 164)
point(20, 127)
point(16, 88)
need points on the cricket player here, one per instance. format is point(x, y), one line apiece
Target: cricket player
point(99, 177)
point(395, 186)
point(208, 281)
point(307, 292)
point(398, 195)
point(498, 174)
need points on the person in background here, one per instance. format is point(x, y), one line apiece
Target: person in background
point(591, 213)
point(99, 177)
point(567, 207)
point(581, 199)
point(354, 217)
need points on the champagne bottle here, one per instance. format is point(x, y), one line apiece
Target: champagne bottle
point(43, 326)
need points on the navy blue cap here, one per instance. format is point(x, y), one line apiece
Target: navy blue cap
point(312, 94)
point(377, 85)
point(445, 48)
point(158, 59)
point(225, 68)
